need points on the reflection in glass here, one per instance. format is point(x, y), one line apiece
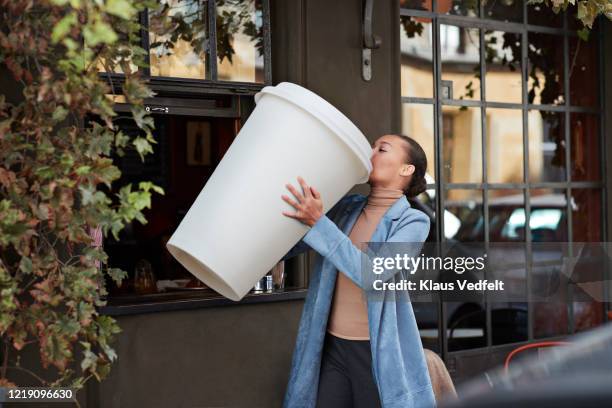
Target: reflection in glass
point(461, 60)
point(550, 317)
point(506, 10)
point(548, 219)
point(548, 223)
point(461, 144)
point(418, 123)
point(546, 143)
point(466, 325)
point(468, 8)
point(509, 319)
point(504, 145)
point(416, 57)
point(585, 147)
point(508, 263)
point(588, 285)
point(587, 315)
point(464, 221)
point(240, 45)
point(177, 38)
point(583, 71)
point(545, 82)
point(507, 215)
point(503, 76)
point(586, 215)
point(423, 5)
point(542, 14)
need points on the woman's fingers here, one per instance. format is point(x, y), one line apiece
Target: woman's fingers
point(292, 215)
point(305, 187)
point(290, 201)
point(296, 193)
point(315, 193)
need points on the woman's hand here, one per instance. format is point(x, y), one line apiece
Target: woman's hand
point(309, 206)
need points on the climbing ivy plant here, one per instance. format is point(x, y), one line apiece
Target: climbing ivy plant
point(56, 171)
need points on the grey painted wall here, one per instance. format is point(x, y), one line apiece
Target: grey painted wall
point(231, 356)
point(318, 44)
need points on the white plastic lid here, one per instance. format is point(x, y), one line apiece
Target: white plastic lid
point(328, 115)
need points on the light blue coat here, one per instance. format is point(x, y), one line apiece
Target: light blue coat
point(398, 361)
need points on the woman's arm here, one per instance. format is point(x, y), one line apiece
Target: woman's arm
point(302, 246)
point(329, 241)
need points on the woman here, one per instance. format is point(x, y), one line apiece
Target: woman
point(354, 350)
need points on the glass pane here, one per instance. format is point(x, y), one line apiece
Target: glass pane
point(545, 82)
point(418, 123)
point(464, 222)
point(177, 39)
point(466, 325)
point(584, 71)
point(587, 315)
point(548, 223)
point(504, 10)
point(463, 216)
point(542, 14)
point(548, 219)
point(240, 48)
point(506, 215)
point(546, 145)
point(550, 317)
point(416, 57)
point(424, 5)
point(509, 319)
point(467, 8)
point(460, 61)
point(585, 147)
point(589, 285)
point(586, 215)
point(504, 145)
point(461, 144)
point(503, 56)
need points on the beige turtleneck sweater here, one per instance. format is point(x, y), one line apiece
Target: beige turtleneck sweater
point(349, 314)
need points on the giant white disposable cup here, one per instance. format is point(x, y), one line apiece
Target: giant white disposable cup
point(235, 232)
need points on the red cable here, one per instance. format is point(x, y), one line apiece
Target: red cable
point(530, 346)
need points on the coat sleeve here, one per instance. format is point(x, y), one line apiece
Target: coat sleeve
point(329, 241)
point(302, 246)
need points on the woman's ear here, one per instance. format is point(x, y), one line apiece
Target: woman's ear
point(407, 170)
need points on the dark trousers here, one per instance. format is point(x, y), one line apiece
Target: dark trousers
point(346, 378)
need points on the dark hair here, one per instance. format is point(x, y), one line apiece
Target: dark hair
point(415, 155)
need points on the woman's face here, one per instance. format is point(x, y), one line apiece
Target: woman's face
point(389, 167)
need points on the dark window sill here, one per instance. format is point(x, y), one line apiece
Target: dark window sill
point(173, 301)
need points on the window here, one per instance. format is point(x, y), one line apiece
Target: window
point(195, 44)
point(508, 116)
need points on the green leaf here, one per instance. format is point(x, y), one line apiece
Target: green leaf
point(99, 32)
point(60, 2)
point(25, 265)
point(59, 114)
point(121, 8)
point(82, 170)
point(147, 185)
point(142, 146)
point(117, 274)
point(63, 27)
point(583, 34)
